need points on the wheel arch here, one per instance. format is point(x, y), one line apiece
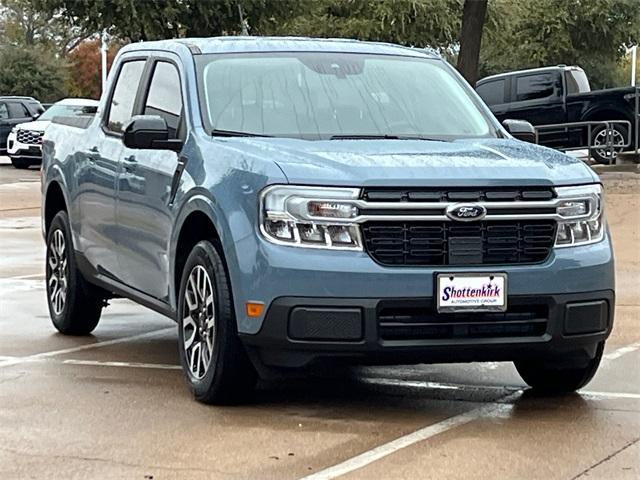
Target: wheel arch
point(54, 202)
point(196, 221)
point(606, 113)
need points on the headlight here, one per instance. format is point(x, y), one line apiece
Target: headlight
point(582, 211)
point(312, 217)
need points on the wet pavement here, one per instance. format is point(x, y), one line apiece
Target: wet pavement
point(114, 405)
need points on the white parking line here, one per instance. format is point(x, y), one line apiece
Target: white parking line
point(96, 363)
point(588, 393)
point(80, 348)
point(24, 277)
point(622, 351)
point(397, 382)
point(425, 433)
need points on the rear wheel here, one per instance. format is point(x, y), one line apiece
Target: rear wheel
point(546, 378)
point(600, 138)
point(73, 306)
point(20, 163)
point(213, 359)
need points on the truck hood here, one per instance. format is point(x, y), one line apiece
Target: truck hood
point(36, 126)
point(419, 162)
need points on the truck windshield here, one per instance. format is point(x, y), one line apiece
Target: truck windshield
point(324, 95)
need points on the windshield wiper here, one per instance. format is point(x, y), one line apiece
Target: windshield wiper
point(230, 133)
point(364, 137)
point(384, 137)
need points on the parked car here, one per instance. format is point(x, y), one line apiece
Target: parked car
point(24, 144)
point(561, 94)
point(288, 201)
point(15, 110)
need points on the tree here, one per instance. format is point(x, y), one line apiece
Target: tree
point(158, 19)
point(591, 34)
point(23, 23)
point(85, 67)
point(419, 23)
point(33, 72)
point(473, 16)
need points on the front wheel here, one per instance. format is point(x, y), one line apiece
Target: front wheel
point(74, 307)
point(545, 378)
point(214, 361)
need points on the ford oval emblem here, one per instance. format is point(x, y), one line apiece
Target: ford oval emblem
point(466, 212)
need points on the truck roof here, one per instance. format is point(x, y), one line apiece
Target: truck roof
point(247, 44)
point(18, 97)
point(529, 70)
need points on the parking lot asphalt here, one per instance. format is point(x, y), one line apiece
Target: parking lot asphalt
point(114, 404)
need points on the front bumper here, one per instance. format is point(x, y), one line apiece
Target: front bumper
point(284, 278)
point(556, 328)
point(23, 151)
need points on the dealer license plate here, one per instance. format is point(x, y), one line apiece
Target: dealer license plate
point(471, 292)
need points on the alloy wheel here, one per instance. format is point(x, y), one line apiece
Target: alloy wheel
point(617, 140)
point(57, 272)
point(198, 324)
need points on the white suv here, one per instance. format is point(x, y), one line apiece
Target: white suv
point(24, 142)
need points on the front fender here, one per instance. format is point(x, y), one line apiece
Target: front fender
point(55, 175)
point(231, 225)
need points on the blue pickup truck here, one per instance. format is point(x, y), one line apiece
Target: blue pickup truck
point(289, 200)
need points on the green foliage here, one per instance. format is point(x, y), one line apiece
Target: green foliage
point(136, 20)
point(434, 23)
point(590, 34)
point(23, 23)
point(517, 34)
point(32, 71)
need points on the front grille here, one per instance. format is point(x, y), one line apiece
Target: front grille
point(397, 322)
point(29, 137)
point(398, 243)
point(459, 194)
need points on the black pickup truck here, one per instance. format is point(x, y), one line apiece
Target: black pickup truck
point(561, 94)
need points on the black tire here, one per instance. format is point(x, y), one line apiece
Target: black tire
point(81, 308)
point(603, 156)
point(549, 380)
point(20, 163)
point(229, 377)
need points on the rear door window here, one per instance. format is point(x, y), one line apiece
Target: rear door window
point(492, 92)
point(577, 82)
point(165, 97)
point(4, 111)
point(536, 86)
point(124, 95)
point(17, 110)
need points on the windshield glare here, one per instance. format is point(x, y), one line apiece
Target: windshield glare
point(68, 111)
point(319, 95)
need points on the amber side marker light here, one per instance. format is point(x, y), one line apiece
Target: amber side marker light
point(254, 309)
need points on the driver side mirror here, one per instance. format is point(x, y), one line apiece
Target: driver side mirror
point(521, 130)
point(149, 132)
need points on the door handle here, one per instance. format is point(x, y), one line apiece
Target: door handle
point(130, 163)
point(93, 154)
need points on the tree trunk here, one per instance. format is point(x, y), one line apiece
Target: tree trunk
point(473, 16)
